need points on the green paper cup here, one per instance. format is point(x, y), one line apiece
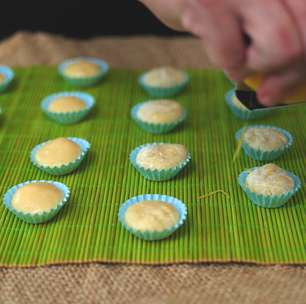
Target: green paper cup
point(67, 168)
point(261, 154)
point(154, 235)
point(157, 175)
point(161, 92)
point(268, 201)
point(241, 113)
point(156, 128)
point(84, 81)
point(67, 118)
point(36, 218)
point(9, 75)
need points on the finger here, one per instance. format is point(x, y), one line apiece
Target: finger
point(238, 75)
point(297, 9)
point(169, 12)
point(219, 30)
point(279, 87)
point(275, 40)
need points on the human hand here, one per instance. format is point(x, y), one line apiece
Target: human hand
point(277, 32)
point(168, 11)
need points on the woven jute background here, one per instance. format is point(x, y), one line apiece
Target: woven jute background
point(147, 285)
point(98, 283)
point(24, 49)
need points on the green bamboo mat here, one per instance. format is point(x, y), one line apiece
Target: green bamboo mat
point(217, 229)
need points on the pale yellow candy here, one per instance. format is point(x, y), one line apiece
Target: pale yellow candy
point(269, 180)
point(151, 216)
point(161, 156)
point(37, 198)
point(66, 104)
point(82, 68)
point(160, 111)
point(265, 139)
point(57, 152)
point(164, 77)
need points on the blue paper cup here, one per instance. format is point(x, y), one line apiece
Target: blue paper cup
point(66, 168)
point(157, 175)
point(9, 75)
point(154, 235)
point(156, 128)
point(241, 113)
point(84, 81)
point(268, 201)
point(68, 117)
point(261, 154)
point(156, 91)
point(36, 218)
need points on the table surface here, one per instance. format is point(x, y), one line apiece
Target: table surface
point(93, 283)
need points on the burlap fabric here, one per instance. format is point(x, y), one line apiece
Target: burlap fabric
point(98, 283)
point(25, 49)
point(190, 284)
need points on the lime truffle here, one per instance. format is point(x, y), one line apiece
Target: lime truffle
point(164, 77)
point(82, 68)
point(57, 152)
point(66, 104)
point(264, 138)
point(160, 111)
point(269, 180)
point(149, 215)
point(161, 156)
point(37, 198)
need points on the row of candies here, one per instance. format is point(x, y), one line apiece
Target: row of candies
point(149, 216)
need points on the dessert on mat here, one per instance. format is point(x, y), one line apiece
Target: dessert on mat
point(269, 180)
point(82, 68)
point(152, 216)
point(264, 138)
point(163, 81)
point(269, 186)
point(58, 152)
point(67, 107)
point(83, 71)
point(160, 111)
point(36, 201)
point(164, 77)
point(161, 156)
point(61, 155)
point(263, 142)
point(158, 116)
point(64, 104)
point(37, 197)
point(160, 161)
